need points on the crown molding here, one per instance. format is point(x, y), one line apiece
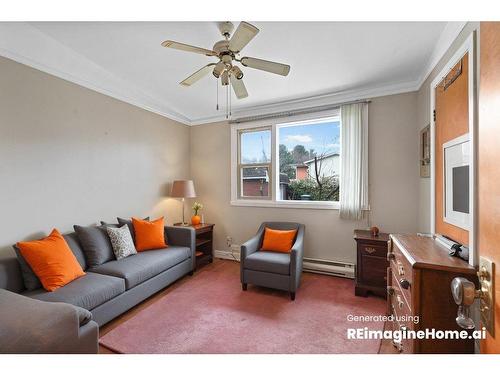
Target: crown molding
point(316, 100)
point(27, 45)
point(446, 39)
point(24, 43)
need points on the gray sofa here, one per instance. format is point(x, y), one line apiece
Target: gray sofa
point(31, 326)
point(273, 269)
point(114, 287)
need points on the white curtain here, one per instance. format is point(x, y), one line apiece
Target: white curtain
point(354, 161)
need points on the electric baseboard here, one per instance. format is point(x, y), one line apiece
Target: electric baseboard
point(321, 266)
point(231, 254)
point(329, 267)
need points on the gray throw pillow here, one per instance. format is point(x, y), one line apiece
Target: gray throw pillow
point(122, 242)
point(96, 244)
point(31, 281)
point(122, 221)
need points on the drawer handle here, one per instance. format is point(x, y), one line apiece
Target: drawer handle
point(370, 250)
point(405, 284)
point(401, 270)
point(390, 290)
point(390, 256)
point(400, 302)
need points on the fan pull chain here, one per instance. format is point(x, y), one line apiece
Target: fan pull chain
point(227, 102)
point(217, 90)
point(230, 100)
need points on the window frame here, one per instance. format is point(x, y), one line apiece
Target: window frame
point(274, 124)
point(241, 165)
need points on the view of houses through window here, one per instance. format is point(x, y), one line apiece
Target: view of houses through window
point(255, 163)
point(309, 160)
point(308, 157)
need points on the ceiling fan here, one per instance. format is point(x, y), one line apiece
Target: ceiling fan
point(227, 51)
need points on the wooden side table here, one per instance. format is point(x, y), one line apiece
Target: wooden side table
point(371, 267)
point(204, 242)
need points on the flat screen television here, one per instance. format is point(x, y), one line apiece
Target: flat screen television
point(457, 182)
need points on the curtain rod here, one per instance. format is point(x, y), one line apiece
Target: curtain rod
point(296, 112)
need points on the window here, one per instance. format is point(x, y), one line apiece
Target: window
point(254, 167)
point(309, 160)
point(287, 164)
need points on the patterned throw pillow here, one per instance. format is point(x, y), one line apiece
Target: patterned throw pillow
point(122, 242)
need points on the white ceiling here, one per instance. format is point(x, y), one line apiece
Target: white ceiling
point(126, 60)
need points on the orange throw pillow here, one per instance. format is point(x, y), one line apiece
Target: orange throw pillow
point(149, 235)
point(51, 260)
point(278, 240)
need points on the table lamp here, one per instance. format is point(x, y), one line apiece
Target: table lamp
point(183, 189)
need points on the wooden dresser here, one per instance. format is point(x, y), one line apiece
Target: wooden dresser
point(371, 265)
point(419, 279)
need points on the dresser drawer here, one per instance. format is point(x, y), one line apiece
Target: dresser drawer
point(400, 298)
point(405, 346)
point(372, 250)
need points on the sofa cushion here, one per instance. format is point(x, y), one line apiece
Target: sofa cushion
point(122, 221)
point(76, 248)
point(88, 291)
point(268, 261)
point(122, 242)
point(138, 268)
point(51, 260)
point(31, 281)
point(149, 235)
point(95, 243)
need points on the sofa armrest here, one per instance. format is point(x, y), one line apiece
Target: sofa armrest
point(182, 236)
point(296, 259)
point(31, 326)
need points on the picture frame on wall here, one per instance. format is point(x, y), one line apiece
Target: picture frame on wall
point(457, 182)
point(425, 152)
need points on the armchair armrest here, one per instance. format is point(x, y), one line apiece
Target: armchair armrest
point(296, 259)
point(31, 326)
point(182, 236)
point(250, 247)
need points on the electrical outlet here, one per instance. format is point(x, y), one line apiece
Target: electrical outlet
point(229, 241)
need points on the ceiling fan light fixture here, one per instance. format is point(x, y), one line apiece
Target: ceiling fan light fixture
point(225, 78)
point(236, 72)
point(219, 68)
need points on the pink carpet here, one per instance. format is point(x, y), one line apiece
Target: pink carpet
point(211, 314)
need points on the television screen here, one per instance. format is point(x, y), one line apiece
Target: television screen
point(461, 189)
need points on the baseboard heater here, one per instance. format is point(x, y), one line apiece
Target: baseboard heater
point(328, 267)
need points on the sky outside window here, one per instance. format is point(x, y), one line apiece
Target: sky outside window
point(322, 138)
point(256, 147)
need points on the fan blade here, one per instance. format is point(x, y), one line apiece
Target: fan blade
point(239, 87)
point(196, 76)
point(243, 34)
point(268, 66)
point(188, 48)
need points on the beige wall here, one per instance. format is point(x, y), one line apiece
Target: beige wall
point(393, 184)
point(69, 155)
point(423, 118)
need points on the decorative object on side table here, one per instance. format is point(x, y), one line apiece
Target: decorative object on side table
point(375, 231)
point(196, 219)
point(371, 268)
point(204, 242)
point(183, 189)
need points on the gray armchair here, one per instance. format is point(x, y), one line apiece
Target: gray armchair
point(273, 269)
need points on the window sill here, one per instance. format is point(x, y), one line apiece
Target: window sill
point(286, 204)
